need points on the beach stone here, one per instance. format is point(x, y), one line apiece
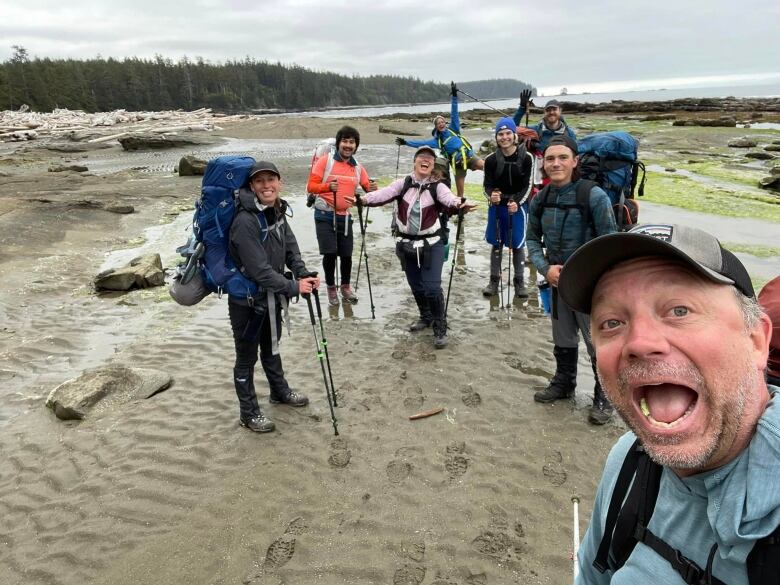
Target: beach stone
point(772, 148)
point(724, 121)
point(63, 168)
point(121, 209)
point(657, 117)
point(771, 182)
point(73, 399)
point(487, 147)
point(391, 130)
point(743, 142)
point(191, 166)
point(760, 155)
point(155, 141)
point(142, 272)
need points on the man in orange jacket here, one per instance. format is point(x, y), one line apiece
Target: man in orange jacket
point(335, 179)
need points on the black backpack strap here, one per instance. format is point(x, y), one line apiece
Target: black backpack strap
point(542, 196)
point(626, 474)
point(583, 203)
point(763, 562)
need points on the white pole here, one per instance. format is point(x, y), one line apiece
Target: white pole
point(575, 565)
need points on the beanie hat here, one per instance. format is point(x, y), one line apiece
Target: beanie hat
point(505, 124)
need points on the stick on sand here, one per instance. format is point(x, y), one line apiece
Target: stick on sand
point(426, 414)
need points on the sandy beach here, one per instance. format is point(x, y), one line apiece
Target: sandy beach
point(170, 490)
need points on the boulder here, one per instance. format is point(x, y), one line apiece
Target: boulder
point(191, 166)
point(657, 117)
point(120, 209)
point(155, 141)
point(63, 168)
point(771, 182)
point(389, 130)
point(772, 148)
point(743, 142)
point(487, 147)
point(724, 121)
point(760, 155)
point(142, 272)
point(73, 399)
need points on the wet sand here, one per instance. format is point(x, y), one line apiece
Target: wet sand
point(170, 489)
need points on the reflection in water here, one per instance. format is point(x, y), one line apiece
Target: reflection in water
point(333, 311)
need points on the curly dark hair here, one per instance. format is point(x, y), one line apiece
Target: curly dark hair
point(348, 132)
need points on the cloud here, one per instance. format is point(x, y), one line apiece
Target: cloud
point(564, 43)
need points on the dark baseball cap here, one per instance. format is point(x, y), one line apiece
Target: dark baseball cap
point(698, 250)
point(552, 104)
point(263, 165)
point(562, 140)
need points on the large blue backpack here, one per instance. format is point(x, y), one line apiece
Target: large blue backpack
point(610, 159)
point(214, 212)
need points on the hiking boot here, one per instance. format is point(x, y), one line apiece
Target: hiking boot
point(520, 291)
point(426, 318)
point(439, 323)
point(601, 410)
point(333, 296)
point(347, 294)
point(258, 424)
point(564, 381)
point(290, 398)
point(491, 289)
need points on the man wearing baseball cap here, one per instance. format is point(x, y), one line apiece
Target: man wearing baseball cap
point(552, 124)
point(682, 348)
point(562, 217)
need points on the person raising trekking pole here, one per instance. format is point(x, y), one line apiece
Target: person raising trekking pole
point(335, 179)
point(508, 182)
point(262, 244)
point(448, 139)
point(562, 217)
point(552, 124)
point(419, 244)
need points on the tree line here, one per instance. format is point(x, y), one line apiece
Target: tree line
point(98, 85)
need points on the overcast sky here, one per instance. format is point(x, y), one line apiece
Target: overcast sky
point(579, 43)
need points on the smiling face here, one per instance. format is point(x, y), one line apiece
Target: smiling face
point(552, 117)
point(505, 138)
point(559, 164)
point(423, 165)
point(440, 123)
point(347, 147)
point(678, 362)
point(266, 186)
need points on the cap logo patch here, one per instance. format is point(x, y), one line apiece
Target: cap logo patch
point(661, 231)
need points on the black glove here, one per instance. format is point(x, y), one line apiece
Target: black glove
point(400, 141)
point(309, 274)
point(525, 96)
point(453, 89)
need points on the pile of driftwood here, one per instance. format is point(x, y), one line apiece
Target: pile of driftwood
point(18, 125)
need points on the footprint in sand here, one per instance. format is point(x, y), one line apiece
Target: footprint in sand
point(296, 527)
point(441, 580)
point(553, 469)
point(493, 544)
point(409, 575)
point(339, 453)
point(455, 462)
point(414, 397)
point(397, 471)
point(478, 579)
point(280, 552)
point(499, 519)
point(414, 550)
point(470, 397)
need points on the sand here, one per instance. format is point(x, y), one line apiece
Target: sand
point(170, 489)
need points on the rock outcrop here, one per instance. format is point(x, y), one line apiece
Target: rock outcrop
point(142, 272)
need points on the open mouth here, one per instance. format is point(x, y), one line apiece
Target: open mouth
point(665, 405)
point(425, 165)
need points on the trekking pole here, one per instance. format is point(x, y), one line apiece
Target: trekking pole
point(500, 251)
point(324, 344)
point(322, 365)
point(454, 255)
point(362, 247)
point(397, 161)
point(509, 270)
point(365, 255)
point(483, 103)
point(576, 539)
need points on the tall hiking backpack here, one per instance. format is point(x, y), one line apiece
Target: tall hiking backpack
point(214, 212)
point(327, 148)
point(610, 160)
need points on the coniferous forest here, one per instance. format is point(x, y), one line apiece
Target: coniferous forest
point(99, 84)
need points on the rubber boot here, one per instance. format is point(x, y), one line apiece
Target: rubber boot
point(564, 381)
point(280, 391)
point(348, 295)
point(518, 264)
point(333, 296)
point(426, 318)
point(439, 321)
point(491, 289)
point(601, 410)
point(251, 417)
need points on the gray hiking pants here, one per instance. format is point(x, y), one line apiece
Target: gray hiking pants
point(568, 323)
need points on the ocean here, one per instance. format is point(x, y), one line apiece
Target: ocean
point(510, 105)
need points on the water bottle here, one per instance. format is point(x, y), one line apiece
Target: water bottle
point(545, 294)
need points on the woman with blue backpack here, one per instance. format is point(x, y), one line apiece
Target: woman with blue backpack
point(262, 244)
